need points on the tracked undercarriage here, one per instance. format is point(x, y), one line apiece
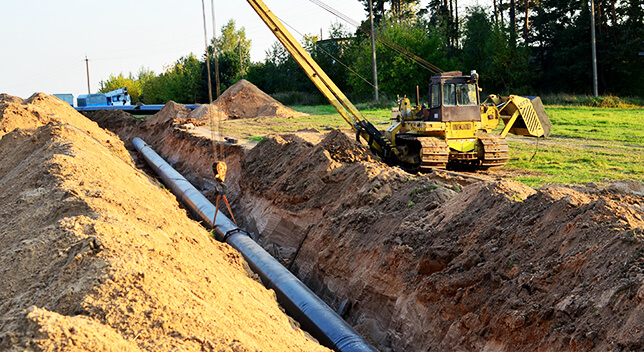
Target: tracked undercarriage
point(452, 127)
point(434, 153)
point(494, 151)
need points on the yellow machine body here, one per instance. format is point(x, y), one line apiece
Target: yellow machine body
point(455, 128)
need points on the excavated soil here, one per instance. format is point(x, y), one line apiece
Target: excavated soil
point(206, 113)
point(443, 263)
point(96, 256)
point(430, 262)
point(244, 100)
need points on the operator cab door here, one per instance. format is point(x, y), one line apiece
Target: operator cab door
point(435, 111)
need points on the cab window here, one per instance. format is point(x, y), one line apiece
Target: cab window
point(435, 96)
point(466, 94)
point(449, 94)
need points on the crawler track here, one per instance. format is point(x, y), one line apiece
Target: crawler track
point(434, 153)
point(495, 151)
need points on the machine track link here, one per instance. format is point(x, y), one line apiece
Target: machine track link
point(494, 151)
point(434, 153)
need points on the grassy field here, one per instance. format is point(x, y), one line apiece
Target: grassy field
point(322, 117)
point(587, 144)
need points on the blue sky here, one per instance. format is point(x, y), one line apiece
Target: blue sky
point(44, 43)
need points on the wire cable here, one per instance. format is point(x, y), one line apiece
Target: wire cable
point(417, 59)
point(336, 59)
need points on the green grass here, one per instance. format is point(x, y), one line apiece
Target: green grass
point(615, 125)
point(321, 117)
point(575, 164)
point(587, 144)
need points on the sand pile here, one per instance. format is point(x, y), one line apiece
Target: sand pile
point(6, 98)
point(96, 256)
point(205, 113)
point(168, 114)
point(431, 263)
point(244, 100)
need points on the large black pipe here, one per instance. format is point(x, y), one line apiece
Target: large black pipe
point(298, 300)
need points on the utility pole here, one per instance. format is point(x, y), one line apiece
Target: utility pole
point(373, 53)
point(87, 68)
point(205, 38)
point(594, 47)
point(214, 45)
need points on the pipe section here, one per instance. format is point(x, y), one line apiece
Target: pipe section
point(299, 301)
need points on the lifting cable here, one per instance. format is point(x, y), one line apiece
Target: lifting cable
point(384, 93)
point(536, 149)
point(220, 128)
point(330, 55)
point(219, 167)
point(393, 46)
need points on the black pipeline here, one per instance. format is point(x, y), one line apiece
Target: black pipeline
point(299, 302)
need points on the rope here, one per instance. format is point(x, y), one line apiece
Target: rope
point(535, 151)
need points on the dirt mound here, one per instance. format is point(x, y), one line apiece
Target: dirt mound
point(270, 167)
point(96, 256)
point(205, 113)
point(41, 109)
point(276, 109)
point(168, 114)
point(6, 98)
point(112, 119)
point(244, 100)
point(432, 263)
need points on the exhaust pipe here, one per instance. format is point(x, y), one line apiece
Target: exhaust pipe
point(299, 301)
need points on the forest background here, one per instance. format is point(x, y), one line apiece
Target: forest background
point(517, 46)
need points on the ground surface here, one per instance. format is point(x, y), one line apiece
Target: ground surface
point(599, 145)
point(96, 256)
point(427, 262)
point(413, 262)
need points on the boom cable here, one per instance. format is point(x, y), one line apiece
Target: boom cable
point(386, 94)
point(393, 46)
point(329, 54)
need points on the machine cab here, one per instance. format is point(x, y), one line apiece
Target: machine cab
point(454, 97)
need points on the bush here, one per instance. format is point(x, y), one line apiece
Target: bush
point(606, 101)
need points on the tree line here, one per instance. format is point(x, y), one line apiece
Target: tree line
point(516, 46)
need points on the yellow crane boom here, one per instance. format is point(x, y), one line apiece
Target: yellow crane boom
point(379, 143)
point(312, 69)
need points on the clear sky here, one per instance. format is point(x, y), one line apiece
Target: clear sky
point(44, 43)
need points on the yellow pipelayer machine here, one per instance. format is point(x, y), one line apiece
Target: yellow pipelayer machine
point(454, 129)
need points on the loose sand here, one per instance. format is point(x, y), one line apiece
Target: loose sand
point(96, 256)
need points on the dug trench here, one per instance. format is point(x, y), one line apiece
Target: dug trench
point(432, 262)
